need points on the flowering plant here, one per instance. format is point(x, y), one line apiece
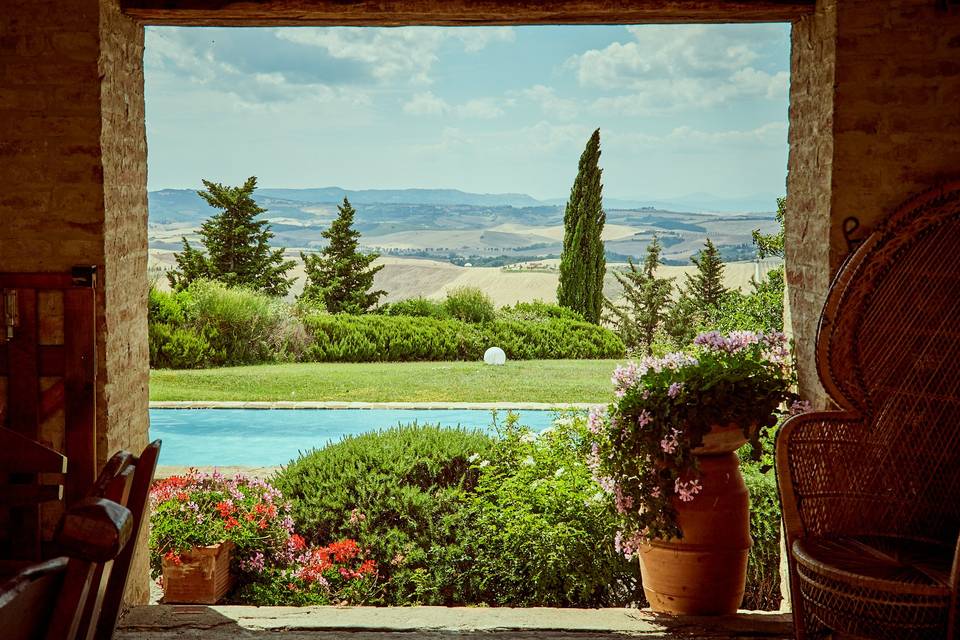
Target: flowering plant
point(644, 442)
point(199, 509)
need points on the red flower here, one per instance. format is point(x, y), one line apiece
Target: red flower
point(368, 566)
point(231, 523)
point(297, 542)
point(250, 517)
point(183, 496)
point(173, 557)
point(225, 508)
point(344, 550)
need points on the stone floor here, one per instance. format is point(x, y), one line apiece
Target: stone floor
point(168, 622)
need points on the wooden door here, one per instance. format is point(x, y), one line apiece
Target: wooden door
point(47, 394)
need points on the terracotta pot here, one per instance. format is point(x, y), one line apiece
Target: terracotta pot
point(202, 576)
point(705, 572)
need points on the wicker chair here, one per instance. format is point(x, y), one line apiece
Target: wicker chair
point(871, 492)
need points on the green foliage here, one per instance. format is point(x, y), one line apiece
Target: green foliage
point(397, 492)
point(763, 566)
point(416, 307)
point(759, 310)
point(212, 324)
point(340, 275)
point(540, 531)
point(582, 263)
point(772, 244)
point(647, 302)
point(538, 310)
point(376, 338)
point(237, 245)
point(469, 304)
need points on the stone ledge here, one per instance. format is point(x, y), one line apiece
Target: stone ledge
point(428, 622)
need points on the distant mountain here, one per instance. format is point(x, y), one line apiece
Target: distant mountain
point(402, 196)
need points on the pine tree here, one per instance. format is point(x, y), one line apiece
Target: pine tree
point(582, 263)
point(647, 301)
point(705, 286)
point(237, 245)
point(339, 276)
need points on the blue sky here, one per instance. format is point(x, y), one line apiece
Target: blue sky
point(682, 109)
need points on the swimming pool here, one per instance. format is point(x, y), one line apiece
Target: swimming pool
point(270, 437)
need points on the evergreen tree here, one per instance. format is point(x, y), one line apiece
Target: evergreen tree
point(647, 301)
point(237, 245)
point(705, 286)
point(582, 263)
point(339, 276)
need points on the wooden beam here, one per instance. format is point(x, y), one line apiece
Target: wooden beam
point(458, 12)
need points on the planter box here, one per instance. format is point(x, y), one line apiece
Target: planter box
point(202, 577)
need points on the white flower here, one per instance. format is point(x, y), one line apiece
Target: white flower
point(485, 463)
point(558, 472)
point(529, 461)
point(528, 437)
point(473, 457)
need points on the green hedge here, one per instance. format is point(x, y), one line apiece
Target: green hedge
point(212, 325)
point(377, 338)
point(399, 492)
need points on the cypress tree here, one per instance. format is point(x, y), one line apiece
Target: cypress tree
point(582, 263)
point(647, 301)
point(705, 286)
point(340, 276)
point(237, 245)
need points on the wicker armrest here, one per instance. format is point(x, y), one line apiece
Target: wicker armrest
point(817, 456)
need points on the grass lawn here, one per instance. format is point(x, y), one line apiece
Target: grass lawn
point(517, 381)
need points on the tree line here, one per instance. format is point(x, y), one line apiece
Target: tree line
point(237, 252)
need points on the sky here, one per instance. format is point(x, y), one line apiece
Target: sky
point(682, 109)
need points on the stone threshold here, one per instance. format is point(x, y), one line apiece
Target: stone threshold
point(162, 621)
point(284, 404)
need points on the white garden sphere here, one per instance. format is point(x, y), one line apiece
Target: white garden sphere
point(494, 355)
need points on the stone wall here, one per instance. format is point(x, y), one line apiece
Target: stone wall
point(73, 170)
point(809, 180)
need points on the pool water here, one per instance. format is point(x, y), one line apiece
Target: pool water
point(270, 437)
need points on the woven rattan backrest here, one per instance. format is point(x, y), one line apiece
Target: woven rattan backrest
point(892, 353)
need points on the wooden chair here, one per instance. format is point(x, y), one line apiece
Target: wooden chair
point(871, 492)
point(46, 601)
point(93, 592)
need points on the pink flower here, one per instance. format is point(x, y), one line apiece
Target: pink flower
point(800, 406)
point(670, 442)
point(674, 389)
point(644, 418)
point(595, 420)
point(686, 491)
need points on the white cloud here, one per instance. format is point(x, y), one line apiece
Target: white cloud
point(666, 68)
point(425, 104)
point(395, 54)
point(482, 108)
point(551, 104)
point(687, 138)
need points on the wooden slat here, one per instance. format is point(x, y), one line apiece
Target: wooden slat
point(50, 359)
point(20, 453)
point(459, 12)
point(23, 416)
point(80, 390)
point(51, 400)
point(53, 280)
point(26, 495)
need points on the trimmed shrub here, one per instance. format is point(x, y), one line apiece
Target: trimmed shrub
point(375, 338)
point(469, 304)
point(416, 307)
point(538, 310)
point(398, 492)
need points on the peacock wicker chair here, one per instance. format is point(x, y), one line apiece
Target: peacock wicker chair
point(871, 492)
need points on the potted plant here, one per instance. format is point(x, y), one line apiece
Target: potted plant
point(205, 529)
point(665, 449)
